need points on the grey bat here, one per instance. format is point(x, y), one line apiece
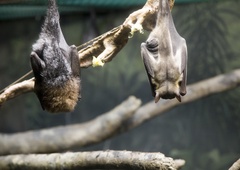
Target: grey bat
point(56, 66)
point(164, 56)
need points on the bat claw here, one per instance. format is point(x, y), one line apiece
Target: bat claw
point(178, 97)
point(157, 98)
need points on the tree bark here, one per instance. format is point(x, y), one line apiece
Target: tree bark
point(235, 166)
point(196, 91)
point(91, 160)
point(121, 119)
point(65, 137)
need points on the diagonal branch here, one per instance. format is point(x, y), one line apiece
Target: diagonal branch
point(91, 160)
point(236, 165)
point(196, 91)
point(16, 89)
point(115, 122)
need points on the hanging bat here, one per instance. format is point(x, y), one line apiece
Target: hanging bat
point(165, 57)
point(55, 66)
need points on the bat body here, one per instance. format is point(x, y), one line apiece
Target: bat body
point(56, 66)
point(165, 57)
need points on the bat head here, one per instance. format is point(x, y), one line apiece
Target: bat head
point(169, 90)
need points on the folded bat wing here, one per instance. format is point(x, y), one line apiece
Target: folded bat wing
point(148, 66)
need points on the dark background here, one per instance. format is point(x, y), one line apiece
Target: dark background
point(206, 133)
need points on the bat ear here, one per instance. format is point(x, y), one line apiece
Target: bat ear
point(183, 91)
point(182, 85)
point(178, 97)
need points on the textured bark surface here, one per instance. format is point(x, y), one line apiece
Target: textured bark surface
point(66, 137)
point(196, 91)
point(91, 160)
point(236, 165)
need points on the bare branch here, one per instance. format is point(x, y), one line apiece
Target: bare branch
point(195, 91)
point(110, 124)
point(145, 18)
point(65, 137)
point(235, 166)
point(104, 47)
point(91, 160)
point(16, 89)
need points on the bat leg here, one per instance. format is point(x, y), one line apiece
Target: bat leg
point(178, 97)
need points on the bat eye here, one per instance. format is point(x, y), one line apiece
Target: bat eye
point(152, 45)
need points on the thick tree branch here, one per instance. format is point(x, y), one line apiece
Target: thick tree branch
point(66, 137)
point(110, 124)
point(104, 47)
point(195, 91)
point(235, 166)
point(91, 160)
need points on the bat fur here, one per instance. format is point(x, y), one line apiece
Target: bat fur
point(56, 66)
point(165, 57)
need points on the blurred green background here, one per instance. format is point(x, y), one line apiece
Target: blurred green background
point(206, 133)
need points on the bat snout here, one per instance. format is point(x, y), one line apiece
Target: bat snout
point(166, 95)
point(169, 96)
point(172, 96)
